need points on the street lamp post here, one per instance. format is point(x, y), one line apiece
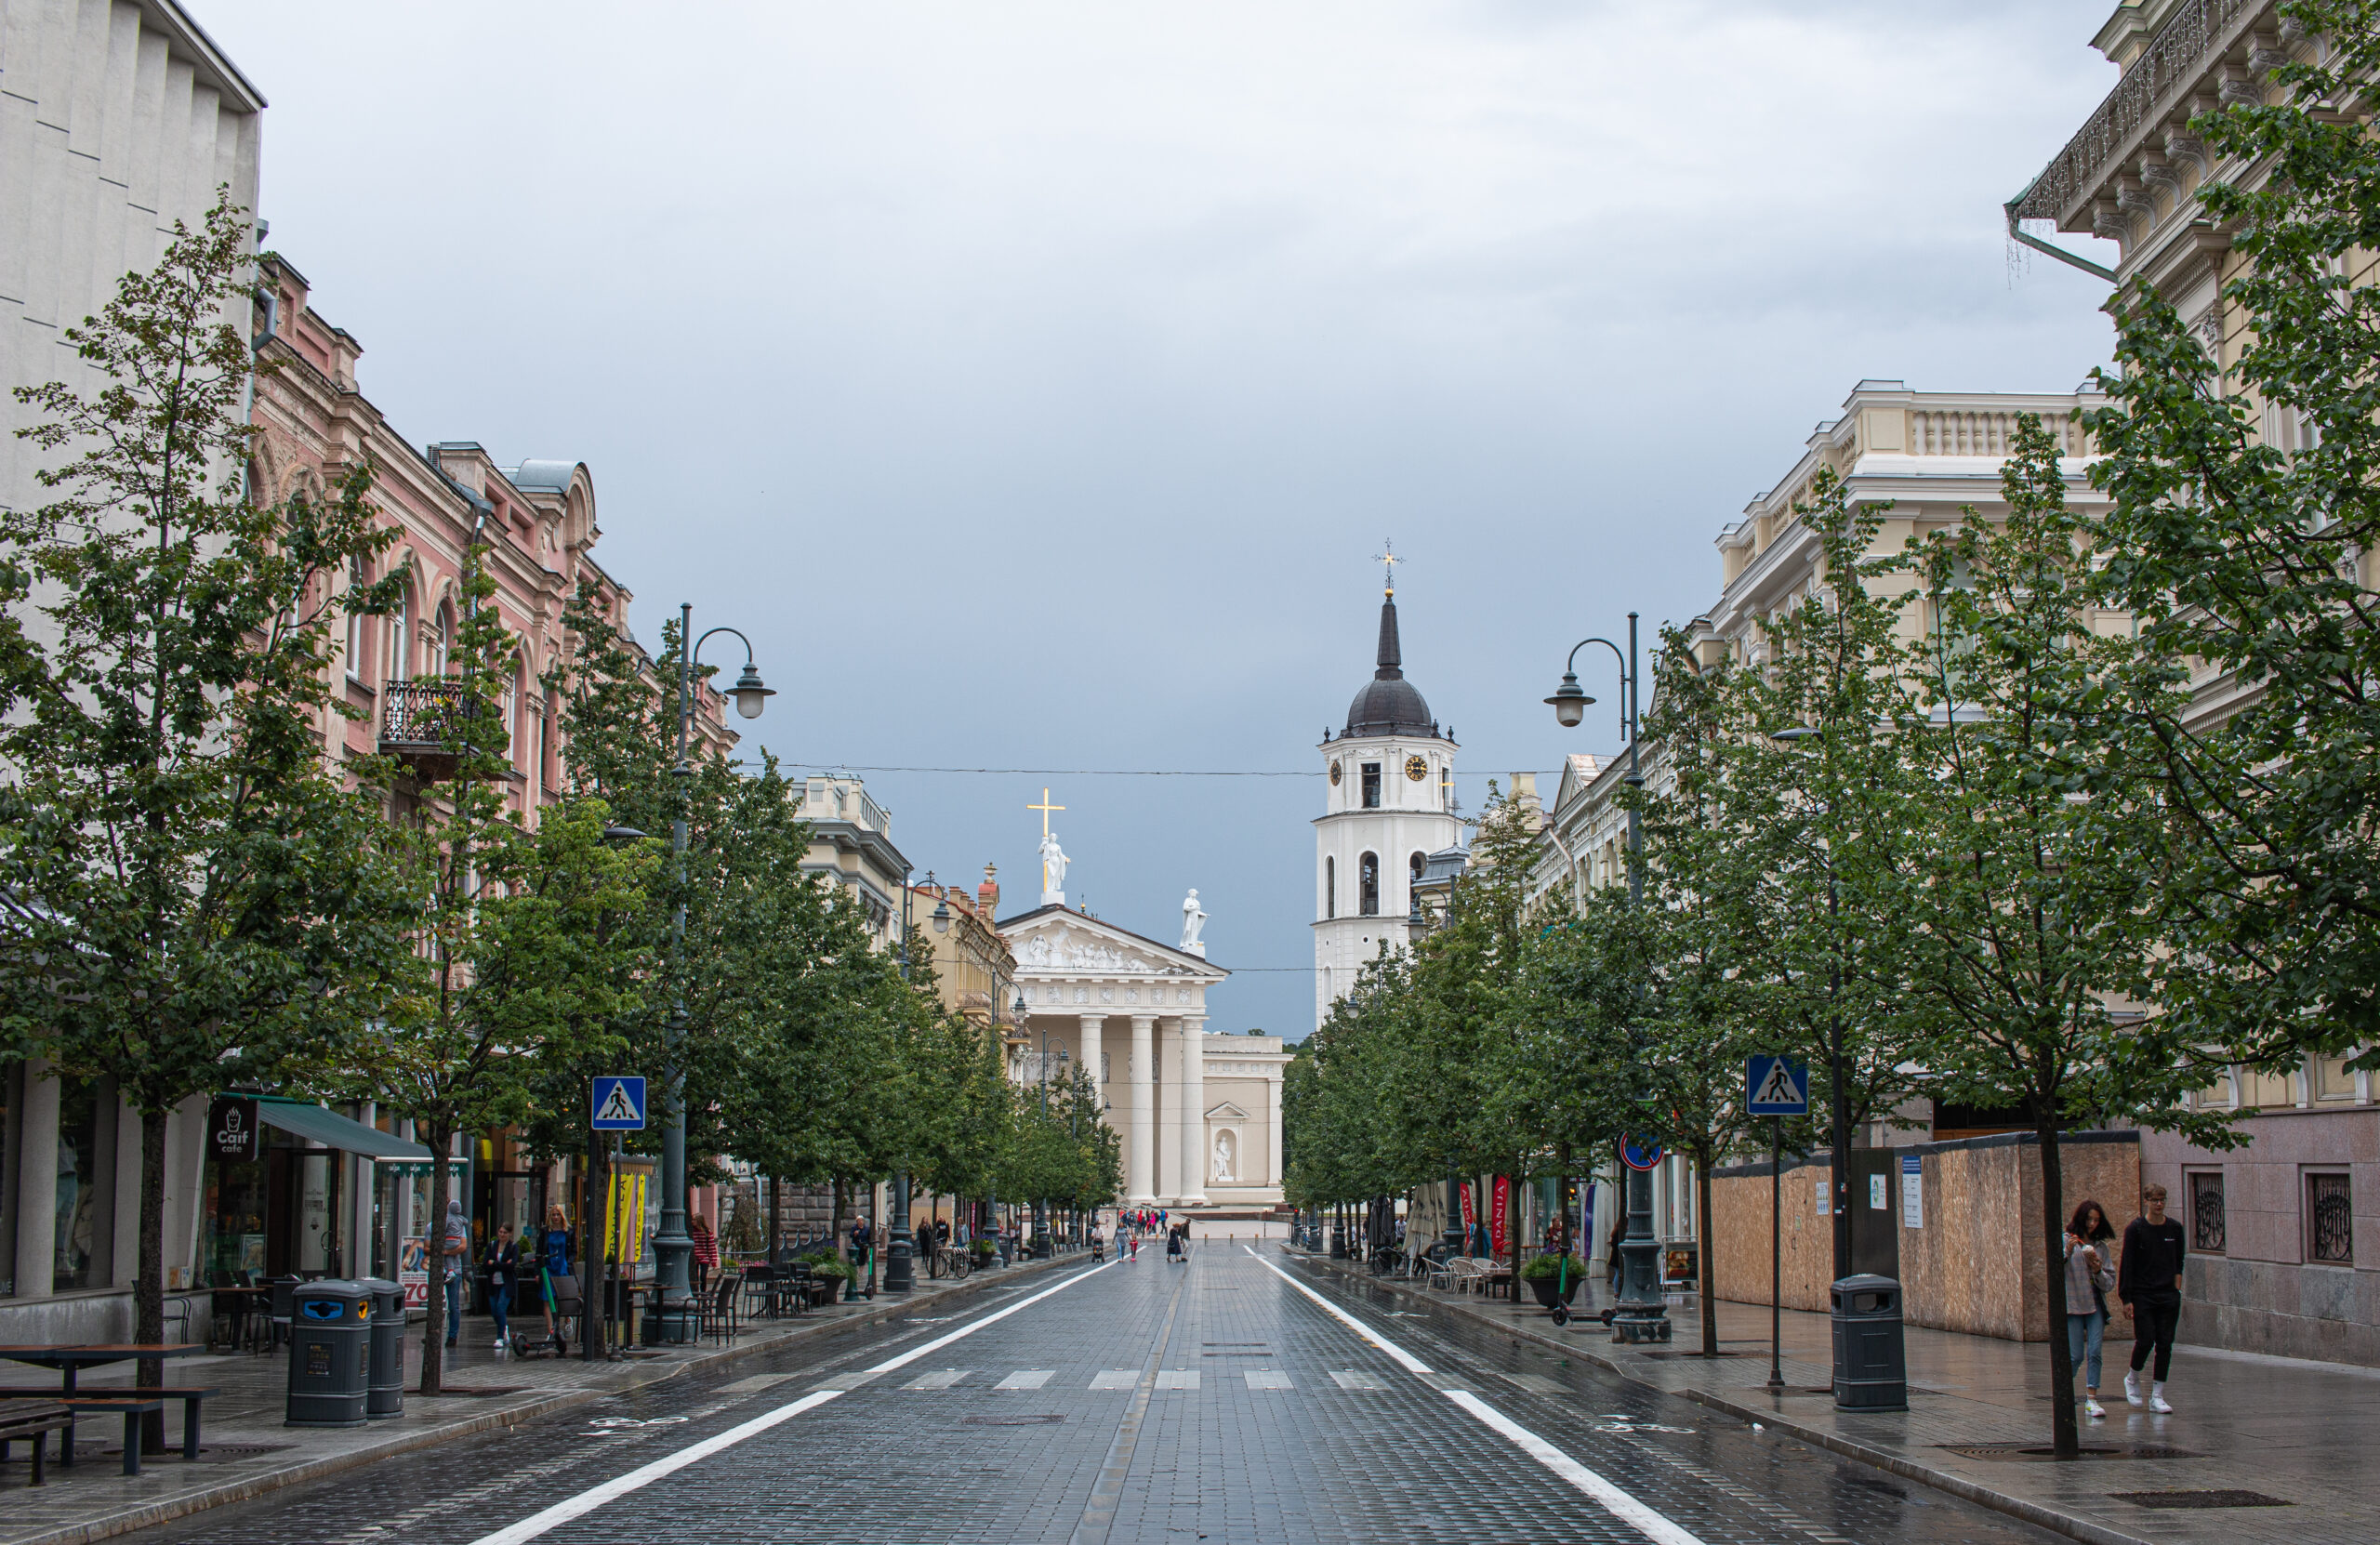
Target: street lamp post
point(900, 1249)
point(679, 1314)
point(1641, 1315)
point(1839, 1113)
point(594, 1271)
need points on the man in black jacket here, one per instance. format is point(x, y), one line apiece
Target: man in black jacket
point(2150, 1280)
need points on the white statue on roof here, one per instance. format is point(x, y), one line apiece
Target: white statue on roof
point(1053, 871)
point(1194, 918)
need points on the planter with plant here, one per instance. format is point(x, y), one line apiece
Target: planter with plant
point(1554, 1280)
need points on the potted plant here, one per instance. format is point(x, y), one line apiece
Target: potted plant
point(984, 1249)
point(1554, 1280)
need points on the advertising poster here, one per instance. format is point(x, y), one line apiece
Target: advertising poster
point(413, 1270)
point(1499, 1211)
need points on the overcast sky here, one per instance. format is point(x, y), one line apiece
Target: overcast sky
point(1035, 382)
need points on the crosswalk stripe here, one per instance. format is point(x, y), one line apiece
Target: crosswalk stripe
point(1177, 1378)
point(1350, 1378)
point(1024, 1378)
point(1116, 1378)
point(1267, 1379)
point(940, 1380)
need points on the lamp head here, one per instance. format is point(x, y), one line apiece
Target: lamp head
point(941, 918)
point(750, 696)
point(1568, 702)
point(1793, 735)
point(622, 834)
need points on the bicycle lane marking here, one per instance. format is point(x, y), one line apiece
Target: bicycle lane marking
point(1654, 1526)
point(587, 1501)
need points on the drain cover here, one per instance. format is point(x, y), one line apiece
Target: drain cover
point(2200, 1500)
point(2044, 1451)
point(1008, 1421)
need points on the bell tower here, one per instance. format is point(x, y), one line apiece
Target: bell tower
point(1388, 804)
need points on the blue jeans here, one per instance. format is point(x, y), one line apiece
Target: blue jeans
point(2083, 1333)
point(454, 1309)
point(499, 1304)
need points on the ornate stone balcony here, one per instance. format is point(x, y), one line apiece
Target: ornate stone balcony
point(2174, 67)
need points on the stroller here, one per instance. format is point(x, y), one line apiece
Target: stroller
point(566, 1310)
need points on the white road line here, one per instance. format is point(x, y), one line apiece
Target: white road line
point(587, 1501)
point(1618, 1503)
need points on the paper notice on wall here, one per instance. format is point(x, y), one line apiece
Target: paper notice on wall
point(1879, 1193)
point(1912, 1192)
point(1825, 1185)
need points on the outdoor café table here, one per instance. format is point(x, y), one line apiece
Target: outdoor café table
point(69, 1360)
point(241, 1304)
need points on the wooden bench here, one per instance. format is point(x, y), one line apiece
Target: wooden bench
point(35, 1423)
point(132, 1404)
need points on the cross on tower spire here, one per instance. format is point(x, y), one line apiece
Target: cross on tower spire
point(1387, 559)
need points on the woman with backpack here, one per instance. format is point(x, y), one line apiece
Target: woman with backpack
point(2090, 1276)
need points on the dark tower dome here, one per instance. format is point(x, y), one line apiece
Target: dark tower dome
point(1389, 704)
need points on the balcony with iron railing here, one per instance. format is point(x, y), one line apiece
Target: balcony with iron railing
point(421, 720)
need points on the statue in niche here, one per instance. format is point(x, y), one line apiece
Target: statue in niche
point(1223, 1157)
point(1194, 918)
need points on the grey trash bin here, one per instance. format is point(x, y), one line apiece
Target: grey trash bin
point(1870, 1364)
point(384, 1381)
point(329, 1343)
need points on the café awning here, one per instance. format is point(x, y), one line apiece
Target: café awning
point(333, 1130)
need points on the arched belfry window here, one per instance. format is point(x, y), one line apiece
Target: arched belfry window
point(1367, 884)
point(1413, 875)
point(1329, 888)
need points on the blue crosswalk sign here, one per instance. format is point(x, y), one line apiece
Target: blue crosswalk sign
point(619, 1102)
point(1775, 1085)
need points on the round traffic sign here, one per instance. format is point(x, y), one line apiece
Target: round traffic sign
point(1640, 1151)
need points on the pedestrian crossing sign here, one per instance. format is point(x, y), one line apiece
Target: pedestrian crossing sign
point(619, 1102)
point(1775, 1085)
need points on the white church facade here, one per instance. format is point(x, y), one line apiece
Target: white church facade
point(1388, 806)
point(1198, 1113)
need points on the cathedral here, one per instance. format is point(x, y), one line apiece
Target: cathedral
point(1387, 807)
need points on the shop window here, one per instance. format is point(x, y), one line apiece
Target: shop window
point(2330, 1221)
point(86, 1194)
point(233, 1220)
point(12, 1104)
point(2206, 1211)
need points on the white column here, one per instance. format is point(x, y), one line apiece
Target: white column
point(1280, 1175)
point(1165, 1127)
point(1092, 1025)
point(1196, 1161)
point(36, 1181)
point(1141, 1145)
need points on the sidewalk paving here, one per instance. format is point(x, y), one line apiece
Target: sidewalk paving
point(246, 1451)
point(2298, 1432)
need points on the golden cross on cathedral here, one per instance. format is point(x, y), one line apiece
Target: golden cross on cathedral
point(1045, 806)
point(1387, 559)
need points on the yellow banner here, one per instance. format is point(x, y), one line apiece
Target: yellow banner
point(624, 1229)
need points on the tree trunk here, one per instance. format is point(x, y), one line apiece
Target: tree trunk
point(433, 1338)
point(1702, 1255)
point(2063, 1437)
point(594, 1280)
point(149, 1283)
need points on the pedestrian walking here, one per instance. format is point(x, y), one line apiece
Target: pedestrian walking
point(1098, 1249)
point(455, 1247)
point(2089, 1275)
point(1131, 1247)
point(1173, 1246)
point(1618, 1232)
point(502, 1263)
point(553, 1261)
point(706, 1248)
point(2149, 1279)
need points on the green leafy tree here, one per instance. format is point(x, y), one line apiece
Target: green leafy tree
point(2245, 512)
point(188, 896)
point(2033, 884)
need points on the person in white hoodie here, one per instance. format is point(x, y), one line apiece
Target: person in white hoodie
point(2090, 1276)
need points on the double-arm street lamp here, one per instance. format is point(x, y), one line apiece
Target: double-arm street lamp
point(900, 1250)
point(1042, 1245)
point(1641, 1315)
point(1839, 1166)
point(679, 1314)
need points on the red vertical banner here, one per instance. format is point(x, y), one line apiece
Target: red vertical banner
point(1499, 1211)
point(1470, 1220)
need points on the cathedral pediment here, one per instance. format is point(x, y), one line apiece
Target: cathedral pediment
point(1058, 941)
point(1227, 1112)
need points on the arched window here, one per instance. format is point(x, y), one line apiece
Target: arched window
point(443, 644)
point(1413, 875)
point(356, 581)
point(401, 639)
point(1367, 885)
point(1329, 888)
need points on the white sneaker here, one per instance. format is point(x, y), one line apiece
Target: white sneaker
point(501, 1344)
point(2091, 1407)
point(2157, 1400)
point(2131, 1387)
